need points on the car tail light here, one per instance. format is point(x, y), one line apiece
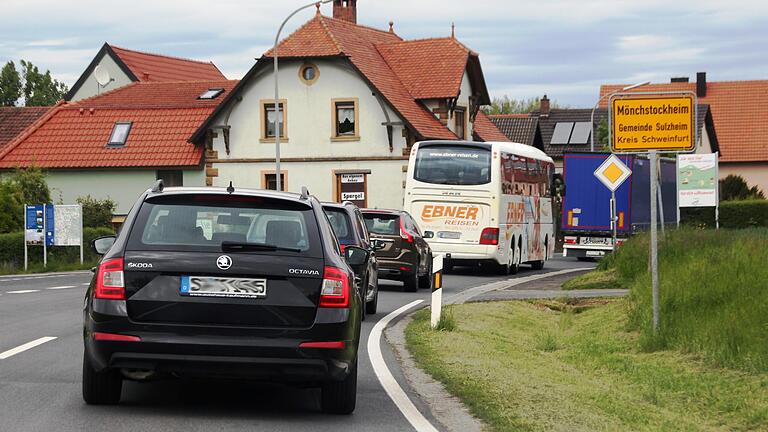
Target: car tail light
point(115, 337)
point(335, 291)
point(404, 234)
point(343, 248)
point(570, 240)
point(110, 283)
point(620, 242)
point(325, 345)
point(489, 236)
point(405, 268)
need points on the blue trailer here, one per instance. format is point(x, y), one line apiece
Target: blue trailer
point(586, 217)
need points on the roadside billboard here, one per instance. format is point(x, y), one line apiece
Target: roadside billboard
point(697, 180)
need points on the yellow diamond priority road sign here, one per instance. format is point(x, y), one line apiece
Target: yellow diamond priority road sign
point(653, 122)
point(612, 172)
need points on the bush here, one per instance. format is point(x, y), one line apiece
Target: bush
point(734, 187)
point(733, 214)
point(713, 293)
point(12, 250)
point(97, 213)
point(23, 186)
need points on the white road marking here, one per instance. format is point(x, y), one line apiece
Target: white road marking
point(22, 291)
point(86, 284)
point(26, 346)
point(61, 287)
point(388, 381)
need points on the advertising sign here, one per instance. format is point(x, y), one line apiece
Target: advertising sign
point(653, 122)
point(33, 232)
point(697, 180)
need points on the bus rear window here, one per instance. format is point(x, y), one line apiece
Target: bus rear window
point(453, 165)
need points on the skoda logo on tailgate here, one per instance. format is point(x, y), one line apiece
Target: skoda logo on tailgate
point(224, 262)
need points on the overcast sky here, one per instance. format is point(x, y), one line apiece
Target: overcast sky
point(564, 48)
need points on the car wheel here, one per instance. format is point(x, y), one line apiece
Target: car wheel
point(340, 397)
point(425, 280)
point(101, 388)
point(364, 296)
point(373, 304)
point(411, 282)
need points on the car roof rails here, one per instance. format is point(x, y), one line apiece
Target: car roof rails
point(304, 193)
point(348, 203)
point(158, 186)
point(230, 188)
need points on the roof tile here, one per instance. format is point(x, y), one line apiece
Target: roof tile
point(150, 67)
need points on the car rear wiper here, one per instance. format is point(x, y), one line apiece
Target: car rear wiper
point(230, 246)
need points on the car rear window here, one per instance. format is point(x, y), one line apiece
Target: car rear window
point(381, 223)
point(202, 223)
point(342, 225)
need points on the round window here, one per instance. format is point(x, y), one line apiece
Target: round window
point(309, 73)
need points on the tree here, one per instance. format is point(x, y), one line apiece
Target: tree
point(23, 186)
point(97, 213)
point(601, 136)
point(40, 89)
point(508, 105)
point(10, 85)
point(734, 187)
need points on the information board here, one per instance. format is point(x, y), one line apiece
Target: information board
point(697, 180)
point(68, 225)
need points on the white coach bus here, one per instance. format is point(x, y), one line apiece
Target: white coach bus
point(483, 203)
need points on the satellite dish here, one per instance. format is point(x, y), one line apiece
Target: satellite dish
point(102, 76)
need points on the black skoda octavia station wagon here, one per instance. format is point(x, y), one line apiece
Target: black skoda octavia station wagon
point(224, 283)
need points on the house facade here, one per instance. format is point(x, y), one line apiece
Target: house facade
point(354, 100)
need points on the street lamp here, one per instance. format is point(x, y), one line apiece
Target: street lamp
point(277, 96)
point(592, 118)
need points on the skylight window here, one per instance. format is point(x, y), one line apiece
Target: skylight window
point(211, 93)
point(119, 134)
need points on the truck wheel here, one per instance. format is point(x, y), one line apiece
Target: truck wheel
point(101, 388)
point(340, 397)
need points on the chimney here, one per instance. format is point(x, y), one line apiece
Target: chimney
point(544, 109)
point(701, 84)
point(679, 80)
point(345, 10)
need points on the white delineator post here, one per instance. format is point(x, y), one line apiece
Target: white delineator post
point(437, 290)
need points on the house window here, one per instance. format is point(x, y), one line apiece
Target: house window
point(460, 119)
point(269, 121)
point(211, 93)
point(345, 120)
point(308, 73)
point(269, 180)
point(119, 134)
point(171, 178)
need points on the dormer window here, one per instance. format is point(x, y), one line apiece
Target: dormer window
point(211, 94)
point(119, 134)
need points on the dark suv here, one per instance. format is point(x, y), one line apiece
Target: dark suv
point(224, 283)
point(404, 255)
point(347, 223)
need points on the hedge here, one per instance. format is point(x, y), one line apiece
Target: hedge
point(12, 249)
point(733, 214)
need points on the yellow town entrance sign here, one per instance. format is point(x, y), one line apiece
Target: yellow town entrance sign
point(656, 122)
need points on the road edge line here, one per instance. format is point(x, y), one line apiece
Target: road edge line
point(387, 380)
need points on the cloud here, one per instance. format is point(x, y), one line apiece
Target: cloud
point(649, 48)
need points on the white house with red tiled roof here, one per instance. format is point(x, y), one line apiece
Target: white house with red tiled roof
point(355, 99)
point(121, 66)
point(117, 144)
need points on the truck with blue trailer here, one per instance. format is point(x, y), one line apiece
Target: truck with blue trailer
point(586, 210)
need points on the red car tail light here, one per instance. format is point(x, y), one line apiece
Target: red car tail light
point(570, 240)
point(325, 345)
point(335, 290)
point(115, 337)
point(110, 283)
point(404, 234)
point(489, 236)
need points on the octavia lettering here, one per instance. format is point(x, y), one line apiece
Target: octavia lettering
point(453, 215)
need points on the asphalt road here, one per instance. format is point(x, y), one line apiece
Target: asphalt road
point(40, 387)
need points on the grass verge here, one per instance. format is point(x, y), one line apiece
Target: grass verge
point(540, 366)
point(52, 267)
point(596, 279)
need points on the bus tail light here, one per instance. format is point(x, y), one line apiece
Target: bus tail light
point(570, 240)
point(489, 236)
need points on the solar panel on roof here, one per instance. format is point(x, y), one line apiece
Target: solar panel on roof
point(562, 133)
point(581, 131)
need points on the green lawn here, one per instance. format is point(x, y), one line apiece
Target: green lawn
point(536, 366)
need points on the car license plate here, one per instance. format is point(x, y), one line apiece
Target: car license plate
point(602, 241)
point(595, 253)
point(449, 235)
point(196, 286)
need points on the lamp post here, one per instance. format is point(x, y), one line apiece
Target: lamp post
point(277, 95)
point(592, 118)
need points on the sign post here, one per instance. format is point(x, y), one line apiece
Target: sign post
point(653, 122)
point(612, 173)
